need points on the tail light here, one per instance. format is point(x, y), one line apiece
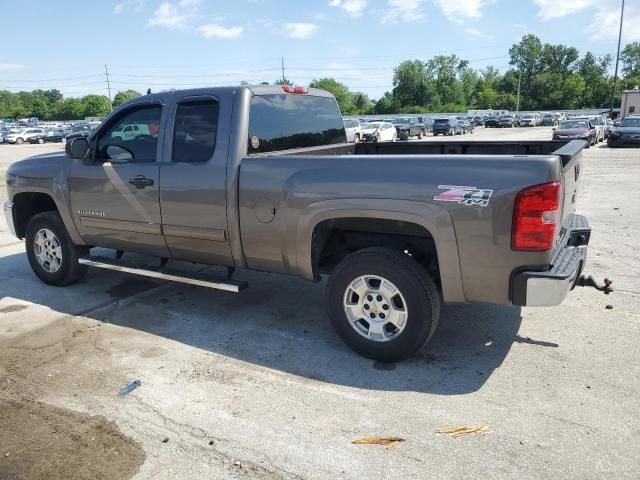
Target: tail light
point(536, 217)
point(294, 89)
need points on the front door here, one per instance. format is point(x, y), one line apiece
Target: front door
point(115, 200)
point(193, 177)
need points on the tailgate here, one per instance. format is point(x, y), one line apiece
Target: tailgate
point(571, 156)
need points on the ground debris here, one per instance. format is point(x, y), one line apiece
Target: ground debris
point(388, 442)
point(464, 430)
point(129, 388)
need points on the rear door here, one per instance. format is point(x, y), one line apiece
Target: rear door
point(193, 179)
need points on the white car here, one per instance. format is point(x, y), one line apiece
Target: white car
point(353, 130)
point(23, 135)
point(379, 132)
point(598, 122)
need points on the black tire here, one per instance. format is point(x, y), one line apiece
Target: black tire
point(70, 270)
point(356, 138)
point(420, 135)
point(19, 141)
point(414, 283)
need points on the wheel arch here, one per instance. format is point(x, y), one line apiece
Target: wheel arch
point(34, 200)
point(415, 219)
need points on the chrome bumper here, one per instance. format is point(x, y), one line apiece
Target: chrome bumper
point(547, 288)
point(8, 215)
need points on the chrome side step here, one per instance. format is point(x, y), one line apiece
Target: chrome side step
point(198, 279)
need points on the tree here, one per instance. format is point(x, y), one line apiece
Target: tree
point(339, 90)
point(125, 96)
point(410, 83)
point(630, 58)
point(387, 104)
point(95, 106)
point(283, 81)
point(70, 109)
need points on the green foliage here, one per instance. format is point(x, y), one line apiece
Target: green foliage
point(630, 57)
point(125, 96)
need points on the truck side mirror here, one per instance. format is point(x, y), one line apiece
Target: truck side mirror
point(79, 148)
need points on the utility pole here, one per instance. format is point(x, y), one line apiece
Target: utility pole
point(283, 77)
point(106, 72)
point(518, 100)
point(615, 76)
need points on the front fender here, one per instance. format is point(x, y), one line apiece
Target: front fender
point(435, 219)
point(50, 187)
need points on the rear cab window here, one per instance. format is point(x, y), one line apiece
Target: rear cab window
point(286, 121)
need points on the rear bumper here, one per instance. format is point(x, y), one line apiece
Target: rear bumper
point(8, 215)
point(550, 287)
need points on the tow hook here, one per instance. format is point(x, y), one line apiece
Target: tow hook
point(589, 281)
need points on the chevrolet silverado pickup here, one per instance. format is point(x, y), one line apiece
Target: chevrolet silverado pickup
point(262, 178)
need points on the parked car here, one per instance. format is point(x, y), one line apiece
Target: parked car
point(407, 127)
point(353, 129)
point(428, 124)
point(598, 124)
point(22, 135)
point(478, 121)
point(465, 125)
point(50, 136)
point(516, 120)
point(506, 121)
point(398, 228)
point(627, 134)
point(446, 126)
point(549, 120)
point(576, 129)
point(3, 134)
point(530, 120)
point(379, 132)
point(81, 130)
point(492, 122)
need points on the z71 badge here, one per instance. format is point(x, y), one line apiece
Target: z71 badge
point(464, 195)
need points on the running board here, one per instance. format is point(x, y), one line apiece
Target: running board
point(166, 274)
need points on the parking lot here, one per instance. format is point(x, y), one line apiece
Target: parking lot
point(257, 385)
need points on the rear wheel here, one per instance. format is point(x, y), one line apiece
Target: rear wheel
point(52, 254)
point(420, 134)
point(383, 304)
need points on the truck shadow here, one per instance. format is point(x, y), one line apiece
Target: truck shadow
point(279, 323)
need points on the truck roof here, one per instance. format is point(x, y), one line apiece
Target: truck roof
point(255, 89)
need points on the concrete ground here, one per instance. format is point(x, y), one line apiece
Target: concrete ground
point(257, 385)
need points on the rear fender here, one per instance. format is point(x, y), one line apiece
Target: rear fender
point(436, 220)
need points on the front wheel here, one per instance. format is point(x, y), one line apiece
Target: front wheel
point(383, 304)
point(51, 253)
point(420, 135)
point(356, 138)
point(19, 141)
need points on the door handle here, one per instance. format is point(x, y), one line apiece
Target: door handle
point(140, 182)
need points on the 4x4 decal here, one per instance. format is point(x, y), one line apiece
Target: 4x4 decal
point(464, 195)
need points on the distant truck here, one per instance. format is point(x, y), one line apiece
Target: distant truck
point(262, 178)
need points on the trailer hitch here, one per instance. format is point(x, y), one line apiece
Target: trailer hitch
point(584, 281)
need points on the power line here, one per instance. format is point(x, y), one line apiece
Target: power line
point(106, 73)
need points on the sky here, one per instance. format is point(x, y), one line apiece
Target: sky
point(161, 44)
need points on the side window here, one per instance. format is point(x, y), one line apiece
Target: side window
point(121, 143)
point(194, 134)
point(632, 109)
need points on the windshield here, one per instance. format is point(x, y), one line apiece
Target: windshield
point(400, 121)
point(573, 124)
point(441, 121)
point(372, 125)
point(80, 128)
point(528, 116)
point(630, 122)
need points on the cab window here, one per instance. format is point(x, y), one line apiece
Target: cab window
point(121, 143)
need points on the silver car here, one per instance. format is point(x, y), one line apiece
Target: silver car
point(353, 130)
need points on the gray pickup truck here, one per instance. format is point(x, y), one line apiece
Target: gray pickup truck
point(261, 178)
